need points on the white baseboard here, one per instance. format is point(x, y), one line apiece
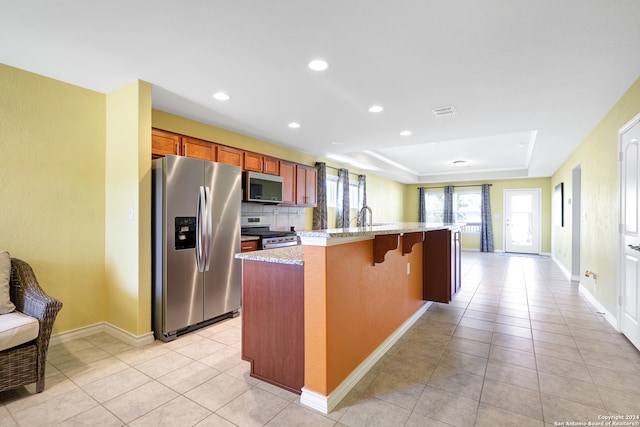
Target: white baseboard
point(326, 404)
point(564, 269)
point(599, 307)
point(134, 340)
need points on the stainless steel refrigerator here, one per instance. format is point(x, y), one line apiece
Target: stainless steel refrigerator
point(196, 222)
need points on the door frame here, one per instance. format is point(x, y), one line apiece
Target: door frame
point(620, 243)
point(576, 222)
point(538, 192)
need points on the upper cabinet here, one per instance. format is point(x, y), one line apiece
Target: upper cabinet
point(299, 188)
point(163, 143)
point(306, 178)
point(288, 174)
point(198, 149)
point(259, 163)
point(230, 156)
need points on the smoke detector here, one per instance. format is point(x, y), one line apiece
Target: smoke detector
point(445, 111)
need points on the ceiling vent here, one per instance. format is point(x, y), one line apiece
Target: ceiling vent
point(445, 111)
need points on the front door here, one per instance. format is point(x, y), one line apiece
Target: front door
point(522, 220)
point(630, 241)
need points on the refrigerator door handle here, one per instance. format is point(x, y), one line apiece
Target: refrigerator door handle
point(199, 231)
point(209, 229)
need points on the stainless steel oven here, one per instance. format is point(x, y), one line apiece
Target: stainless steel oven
point(267, 239)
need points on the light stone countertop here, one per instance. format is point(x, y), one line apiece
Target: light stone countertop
point(294, 254)
point(286, 255)
point(333, 236)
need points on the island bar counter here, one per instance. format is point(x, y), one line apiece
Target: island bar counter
point(356, 308)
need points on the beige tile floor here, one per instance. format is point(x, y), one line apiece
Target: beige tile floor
point(517, 347)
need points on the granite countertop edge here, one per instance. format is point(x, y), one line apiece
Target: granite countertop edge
point(391, 228)
point(292, 255)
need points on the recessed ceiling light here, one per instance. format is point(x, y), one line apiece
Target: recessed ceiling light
point(221, 96)
point(375, 109)
point(318, 65)
point(405, 133)
point(460, 163)
point(336, 143)
point(294, 125)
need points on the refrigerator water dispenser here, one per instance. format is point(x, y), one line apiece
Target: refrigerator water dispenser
point(185, 232)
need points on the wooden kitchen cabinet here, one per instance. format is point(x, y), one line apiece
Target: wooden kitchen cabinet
point(288, 174)
point(198, 149)
point(441, 265)
point(273, 322)
point(249, 245)
point(230, 156)
point(163, 143)
point(271, 165)
point(306, 181)
point(259, 163)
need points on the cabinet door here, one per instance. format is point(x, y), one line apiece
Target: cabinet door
point(312, 182)
point(163, 143)
point(270, 165)
point(230, 156)
point(288, 174)
point(198, 149)
point(252, 161)
point(301, 185)
point(306, 177)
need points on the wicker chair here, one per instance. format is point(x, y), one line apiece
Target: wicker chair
point(24, 364)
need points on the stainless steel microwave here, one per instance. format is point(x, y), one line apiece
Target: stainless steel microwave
point(262, 187)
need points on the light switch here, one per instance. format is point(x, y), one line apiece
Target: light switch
point(130, 213)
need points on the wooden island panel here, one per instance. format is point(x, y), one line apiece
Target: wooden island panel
point(273, 322)
point(352, 306)
point(442, 272)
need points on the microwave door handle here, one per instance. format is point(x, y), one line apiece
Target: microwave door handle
point(199, 231)
point(209, 227)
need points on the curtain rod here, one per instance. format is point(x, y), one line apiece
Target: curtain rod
point(337, 169)
point(454, 186)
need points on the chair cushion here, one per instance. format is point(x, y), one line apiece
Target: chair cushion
point(17, 328)
point(6, 306)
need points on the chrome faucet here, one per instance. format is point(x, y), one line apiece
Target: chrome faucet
point(362, 216)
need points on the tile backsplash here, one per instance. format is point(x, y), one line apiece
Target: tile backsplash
point(280, 217)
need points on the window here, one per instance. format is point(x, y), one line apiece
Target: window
point(354, 197)
point(466, 208)
point(332, 193)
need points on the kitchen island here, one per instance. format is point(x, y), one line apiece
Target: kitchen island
point(359, 289)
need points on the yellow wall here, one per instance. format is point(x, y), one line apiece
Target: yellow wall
point(471, 241)
point(598, 160)
point(52, 202)
point(128, 208)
